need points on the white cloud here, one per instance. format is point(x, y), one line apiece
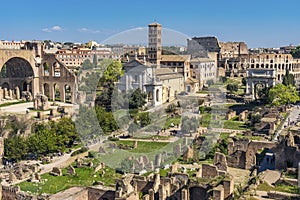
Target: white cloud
point(87, 30)
point(56, 28)
point(46, 30)
point(53, 28)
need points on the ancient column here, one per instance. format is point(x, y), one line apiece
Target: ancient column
point(17, 90)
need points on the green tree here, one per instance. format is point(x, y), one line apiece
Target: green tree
point(87, 124)
point(232, 87)
point(281, 94)
point(144, 119)
point(127, 166)
point(15, 148)
point(137, 99)
point(133, 127)
point(288, 79)
point(106, 120)
point(296, 52)
point(112, 73)
point(65, 131)
point(3, 72)
point(189, 124)
point(86, 64)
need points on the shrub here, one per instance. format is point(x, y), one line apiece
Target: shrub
point(79, 151)
point(110, 138)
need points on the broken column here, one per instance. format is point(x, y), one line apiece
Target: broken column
point(17, 91)
point(41, 102)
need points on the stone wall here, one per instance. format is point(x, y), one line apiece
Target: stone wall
point(209, 171)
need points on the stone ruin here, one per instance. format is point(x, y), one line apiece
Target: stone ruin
point(41, 102)
point(243, 116)
point(220, 161)
point(174, 186)
point(99, 167)
point(101, 149)
point(21, 171)
point(230, 114)
point(26, 96)
point(56, 171)
point(242, 152)
point(188, 154)
point(10, 94)
point(35, 177)
point(71, 171)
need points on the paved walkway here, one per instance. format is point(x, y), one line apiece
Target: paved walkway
point(21, 108)
point(271, 176)
point(292, 117)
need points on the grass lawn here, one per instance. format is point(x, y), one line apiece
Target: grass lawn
point(84, 177)
point(148, 137)
point(175, 120)
point(280, 188)
point(205, 120)
point(228, 124)
point(236, 125)
point(163, 172)
point(143, 147)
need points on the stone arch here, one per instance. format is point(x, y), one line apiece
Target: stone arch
point(18, 72)
point(68, 93)
point(5, 85)
point(57, 93)
point(56, 69)
point(46, 88)
point(46, 69)
point(265, 160)
point(188, 88)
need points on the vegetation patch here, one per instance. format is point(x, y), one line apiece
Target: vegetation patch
point(143, 147)
point(84, 177)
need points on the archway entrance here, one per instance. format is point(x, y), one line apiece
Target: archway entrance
point(260, 90)
point(68, 94)
point(47, 90)
point(57, 96)
point(17, 73)
point(188, 88)
point(265, 160)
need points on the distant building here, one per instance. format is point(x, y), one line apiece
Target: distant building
point(12, 44)
point(204, 70)
point(202, 45)
point(160, 84)
point(74, 58)
point(233, 49)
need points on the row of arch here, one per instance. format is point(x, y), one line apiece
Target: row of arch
point(271, 66)
point(264, 66)
point(58, 92)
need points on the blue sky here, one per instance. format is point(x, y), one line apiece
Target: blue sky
point(263, 23)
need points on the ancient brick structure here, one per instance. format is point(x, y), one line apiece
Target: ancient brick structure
point(30, 71)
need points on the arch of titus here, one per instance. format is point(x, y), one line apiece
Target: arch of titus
point(267, 77)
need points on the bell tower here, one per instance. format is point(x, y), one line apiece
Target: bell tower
point(154, 43)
